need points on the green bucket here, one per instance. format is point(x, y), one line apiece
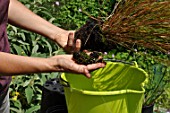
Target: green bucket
point(116, 88)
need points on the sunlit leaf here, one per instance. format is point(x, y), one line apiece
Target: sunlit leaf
point(29, 94)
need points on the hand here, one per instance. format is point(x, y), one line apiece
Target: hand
point(65, 63)
point(22, 17)
point(72, 45)
point(67, 42)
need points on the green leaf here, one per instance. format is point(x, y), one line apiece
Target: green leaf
point(15, 110)
point(29, 94)
point(22, 36)
point(26, 83)
point(35, 49)
point(46, 13)
point(17, 103)
point(52, 19)
point(49, 46)
point(14, 28)
point(18, 49)
point(23, 43)
point(43, 78)
point(33, 109)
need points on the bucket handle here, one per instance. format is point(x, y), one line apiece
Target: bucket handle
point(122, 61)
point(64, 83)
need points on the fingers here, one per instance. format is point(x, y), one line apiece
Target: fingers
point(70, 40)
point(83, 70)
point(87, 73)
point(95, 66)
point(73, 46)
point(66, 63)
point(86, 69)
point(78, 45)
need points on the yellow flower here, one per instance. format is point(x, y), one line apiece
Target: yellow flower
point(14, 98)
point(17, 93)
point(13, 77)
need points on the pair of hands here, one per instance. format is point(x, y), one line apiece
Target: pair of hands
point(19, 15)
point(66, 62)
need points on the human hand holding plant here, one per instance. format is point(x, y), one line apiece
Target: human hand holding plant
point(27, 20)
point(67, 42)
point(66, 63)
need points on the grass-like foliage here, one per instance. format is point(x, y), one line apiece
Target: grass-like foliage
point(133, 24)
point(140, 22)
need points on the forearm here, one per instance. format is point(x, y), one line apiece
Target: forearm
point(15, 65)
point(22, 17)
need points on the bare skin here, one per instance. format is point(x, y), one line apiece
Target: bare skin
point(14, 65)
point(22, 17)
point(11, 64)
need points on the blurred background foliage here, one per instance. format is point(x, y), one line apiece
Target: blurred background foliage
point(26, 90)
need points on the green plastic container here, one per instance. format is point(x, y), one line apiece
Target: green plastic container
point(117, 88)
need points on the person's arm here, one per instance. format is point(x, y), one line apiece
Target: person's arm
point(21, 16)
point(15, 65)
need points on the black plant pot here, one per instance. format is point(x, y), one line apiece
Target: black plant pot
point(148, 109)
point(53, 99)
point(57, 109)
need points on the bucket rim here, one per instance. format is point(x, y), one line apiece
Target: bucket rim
point(116, 92)
point(66, 85)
